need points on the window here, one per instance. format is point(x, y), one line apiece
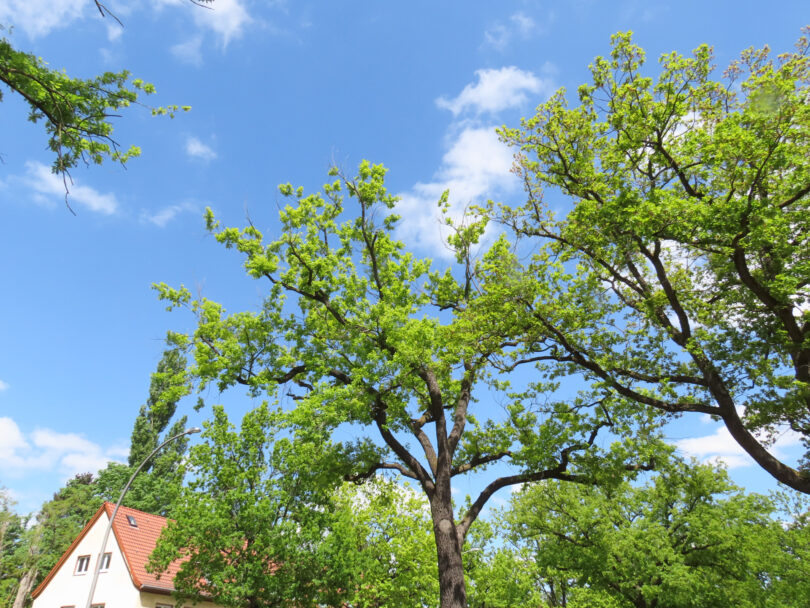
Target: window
point(163, 606)
point(105, 562)
point(132, 521)
point(82, 564)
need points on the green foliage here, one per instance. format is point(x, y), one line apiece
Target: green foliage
point(12, 530)
point(364, 336)
point(503, 578)
point(791, 564)
point(76, 111)
point(253, 518)
point(267, 527)
point(62, 518)
point(688, 242)
point(384, 532)
point(686, 538)
point(158, 484)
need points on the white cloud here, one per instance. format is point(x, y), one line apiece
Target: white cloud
point(227, 18)
point(4, 386)
point(197, 149)
point(114, 31)
point(477, 166)
point(500, 34)
point(189, 52)
point(11, 440)
point(497, 90)
point(51, 440)
point(720, 447)
point(49, 189)
point(163, 216)
point(524, 24)
point(47, 450)
point(40, 17)
point(84, 462)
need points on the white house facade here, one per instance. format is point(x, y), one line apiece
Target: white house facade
point(123, 581)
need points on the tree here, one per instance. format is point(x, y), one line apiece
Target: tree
point(384, 533)
point(158, 484)
point(374, 340)
point(253, 521)
point(791, 564)
point(263, 530)
point(77, 111)
point(497, 574)
point(58, 523)
point(689, 234)
point(12, 529)
point(688, 537)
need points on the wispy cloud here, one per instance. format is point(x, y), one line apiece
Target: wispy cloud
point(49, 189)
point(114, 31)
point(4, 386)
point(497, 90)
point(48, 450)
point(500, 34)
point(197, 149)
point(226, 18)
point(189, 52)
point(165, 215)
point(39, 17)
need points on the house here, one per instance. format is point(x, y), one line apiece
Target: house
point(123, 581)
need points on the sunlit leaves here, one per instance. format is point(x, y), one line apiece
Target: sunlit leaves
point(76, 111)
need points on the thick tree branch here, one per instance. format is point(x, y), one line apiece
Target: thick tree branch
point(478, 460)
point(380, 466)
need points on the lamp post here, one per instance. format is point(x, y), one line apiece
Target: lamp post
point(118, 504)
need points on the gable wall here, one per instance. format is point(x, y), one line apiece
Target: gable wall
point(114, 588)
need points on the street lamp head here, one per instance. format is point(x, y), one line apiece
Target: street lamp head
point(194, 429)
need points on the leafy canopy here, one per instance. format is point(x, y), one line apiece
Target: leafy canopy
point(690, 234)
point(363, 337)
point(688, 537)
point(77, 112)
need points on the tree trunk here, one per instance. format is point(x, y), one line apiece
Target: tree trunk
point(26, 584)
point(452, 588)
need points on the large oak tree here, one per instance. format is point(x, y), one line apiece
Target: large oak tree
point(367, 339)
point(690, 233)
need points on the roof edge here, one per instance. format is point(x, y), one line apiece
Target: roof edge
point(68, 551)
point(122, 546)
point(153, 589)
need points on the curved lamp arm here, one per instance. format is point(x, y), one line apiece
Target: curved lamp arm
point(118, 504)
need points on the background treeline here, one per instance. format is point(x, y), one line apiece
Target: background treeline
point(683, 536)
point(30, 545)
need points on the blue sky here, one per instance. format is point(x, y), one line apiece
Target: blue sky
point(279, 90)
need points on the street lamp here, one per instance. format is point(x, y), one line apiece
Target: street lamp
point(190, 431)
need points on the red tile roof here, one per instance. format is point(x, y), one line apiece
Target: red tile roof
point(136, 544)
